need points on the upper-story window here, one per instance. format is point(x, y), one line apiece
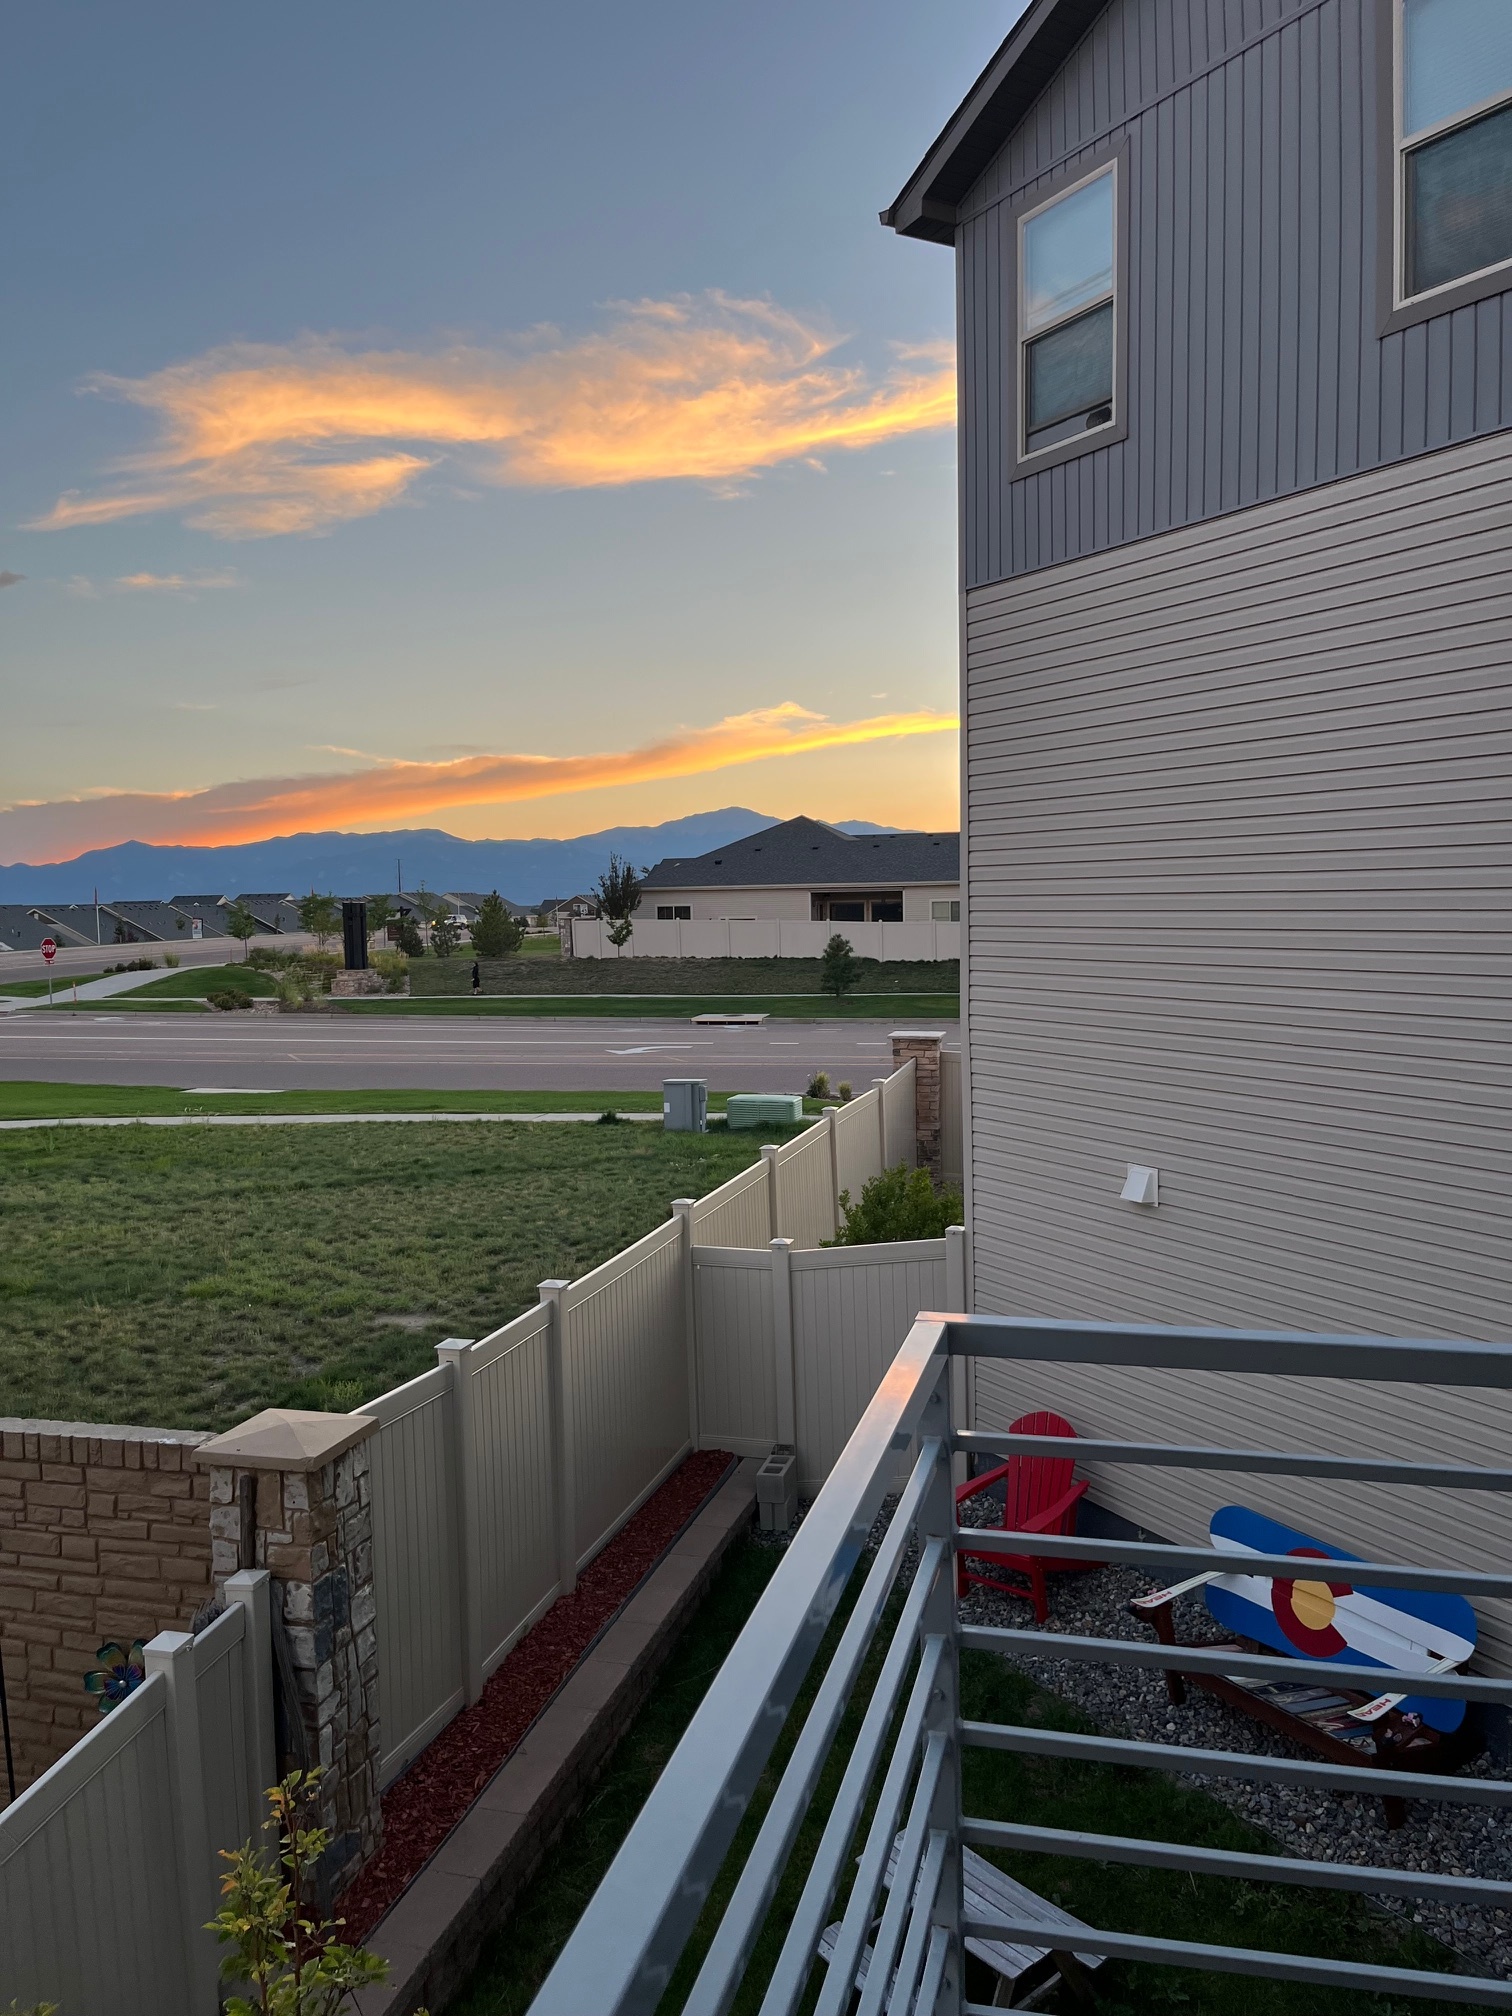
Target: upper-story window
point(1453, 142)
point(1068, 312)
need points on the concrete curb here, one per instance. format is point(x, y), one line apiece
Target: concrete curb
point(432, 1937)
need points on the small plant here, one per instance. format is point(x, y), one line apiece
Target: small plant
point(609, 1118)
point(394, 968)
point(839, 968)
point(901, 1203)
point(228, 998)
point(818, 1086)
point(844, 1089)
point(282, 1945)
point(170, 959)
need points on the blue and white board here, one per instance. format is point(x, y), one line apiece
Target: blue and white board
point(1405, 1630)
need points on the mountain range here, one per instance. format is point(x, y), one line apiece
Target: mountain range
point(349, 864)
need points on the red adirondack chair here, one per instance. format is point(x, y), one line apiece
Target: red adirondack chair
point(1040, 1496)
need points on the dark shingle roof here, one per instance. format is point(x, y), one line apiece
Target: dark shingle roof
point(808, 853)
point(23, 927)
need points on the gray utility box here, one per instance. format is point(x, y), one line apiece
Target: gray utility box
point(685, 1105)
point(777, 1489)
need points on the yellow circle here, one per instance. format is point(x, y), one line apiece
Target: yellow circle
point(1312, 1605)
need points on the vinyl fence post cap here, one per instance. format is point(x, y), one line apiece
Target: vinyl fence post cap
point(286, 1438)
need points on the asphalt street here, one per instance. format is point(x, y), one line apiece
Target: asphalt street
point(296, 1053)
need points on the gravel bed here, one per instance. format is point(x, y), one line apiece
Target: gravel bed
point(1322, 1826)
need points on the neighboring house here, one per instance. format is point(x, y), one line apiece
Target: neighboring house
point(208, 911)
point(559, 911)
point(274, 912)
point(135, 923)
point(1235, 328)
point(74, 923)
point(785, 890)
point(23, 927)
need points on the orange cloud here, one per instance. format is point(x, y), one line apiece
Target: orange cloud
point(257, 439)
point(399, 793)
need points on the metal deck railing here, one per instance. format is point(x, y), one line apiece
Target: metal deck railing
point(903, 1770)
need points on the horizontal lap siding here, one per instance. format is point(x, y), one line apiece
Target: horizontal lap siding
point(1255, 362)
point(1240, 868)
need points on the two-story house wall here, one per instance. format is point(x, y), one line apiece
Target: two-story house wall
point(1234, 285)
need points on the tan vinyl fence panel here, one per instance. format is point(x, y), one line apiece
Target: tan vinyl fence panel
point(952, 1118)
point(89, 1874)
point(898, 1108)
point(626, 1369)
point(415, 1565)
point(852, 1308)
point(226, 1766)
point(738, 1213)
point(858, 1144)
point(806, 1189)
point(732, 1314)
point(514, 1465)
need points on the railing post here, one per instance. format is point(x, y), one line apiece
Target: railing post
point(833, 1125)
point(253, 1589)
point(880, 1086)
point(682, 1209)
point(962, 1368)
point(782, 1341)
point(563, 1470)
point(770, 1156)
point(171, 1653)
point(453, 1353)
point(937, 1520)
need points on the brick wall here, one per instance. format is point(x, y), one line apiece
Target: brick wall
point(104, 1533)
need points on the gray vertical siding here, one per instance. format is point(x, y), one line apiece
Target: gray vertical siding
point(1240, 862)
point(1255, 366)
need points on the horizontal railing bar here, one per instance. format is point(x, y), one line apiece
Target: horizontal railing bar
point(1202, 1659)
point(1290, 1353)
point(736, 1934)
point(1309, 1772)
point(1199, 1560)
point(896, 1916)
point(1273, 1462)
point(1475, 1990)
point(798, 1948)
point(921, 1912)
point(835, 1992)
point(1143, 1854)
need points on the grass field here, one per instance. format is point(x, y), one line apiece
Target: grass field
point(186, 1277)
point(195, 982)
point(680, 1007)
point(997, 1786)
point(31, 989)
point(684, 979)
point(21, 1099)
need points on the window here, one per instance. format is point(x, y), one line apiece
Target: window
point(1068, 314)
point(674, 913)
point(945, 913)
point(1453, 142)
point(887, 910)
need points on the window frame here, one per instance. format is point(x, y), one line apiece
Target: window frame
point(1024, 460)
point(1398, 309)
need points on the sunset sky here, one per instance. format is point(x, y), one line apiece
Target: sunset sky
point(508, 420)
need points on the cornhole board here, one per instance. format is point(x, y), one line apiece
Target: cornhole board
point(1322, 1616)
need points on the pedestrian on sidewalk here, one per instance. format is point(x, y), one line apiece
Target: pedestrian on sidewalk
point(477, 978)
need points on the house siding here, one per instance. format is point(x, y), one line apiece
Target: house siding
point(1240, 861)
point(1256, 366)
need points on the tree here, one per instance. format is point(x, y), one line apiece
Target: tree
point(444, 937)
point(427, 908)
point(320, 916)
point(407, 937)
point(242, 924)
point(495, 933)
point(839, 968)
point(380, 914)
point(619, 894)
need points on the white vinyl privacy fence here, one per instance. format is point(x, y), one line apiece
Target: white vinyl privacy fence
point(498, 1475)
point(109, 1862)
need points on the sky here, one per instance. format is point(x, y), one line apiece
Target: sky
point(512, 420)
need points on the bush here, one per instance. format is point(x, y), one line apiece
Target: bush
point(901, 1203)
point(609, 1118)
point(170, 958)
point(394, 968)
point(845, 1091)
point(818, 1086)
point(134, 966)
point(228, 997)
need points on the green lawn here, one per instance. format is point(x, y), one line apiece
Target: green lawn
point(186, 1277)
point(22, 1099)
point(706, 979)
point(30, 989)
point(678, 1007)
point(193, 983)
point(997, 1785)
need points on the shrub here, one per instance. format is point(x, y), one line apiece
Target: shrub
point(134, 966)
point(394, 968)
point(844, 1089)
point(818, 1086)
point(608, 1118)
point(839, 968)
point(170, 958)
point(901, 1203)
point(228, 998)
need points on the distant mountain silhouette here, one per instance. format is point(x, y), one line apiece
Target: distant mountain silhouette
point(359, 864)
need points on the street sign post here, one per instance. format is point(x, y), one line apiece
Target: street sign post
point(49, 953)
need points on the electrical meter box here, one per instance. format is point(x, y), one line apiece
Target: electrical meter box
point(764, 1109)
point(685, 1105)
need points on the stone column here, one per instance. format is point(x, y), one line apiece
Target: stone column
point(923, 1045)
point(292, 1490)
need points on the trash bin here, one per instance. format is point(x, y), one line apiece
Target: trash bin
point(685, 1105)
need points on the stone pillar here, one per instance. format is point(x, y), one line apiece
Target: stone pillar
point(923, 1045)
point(292, 1490)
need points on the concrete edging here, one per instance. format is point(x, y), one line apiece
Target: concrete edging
point(433, 1935)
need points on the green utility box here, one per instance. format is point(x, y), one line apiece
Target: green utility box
point(764, 1109)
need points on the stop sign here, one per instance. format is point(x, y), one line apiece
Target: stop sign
point(49, 949)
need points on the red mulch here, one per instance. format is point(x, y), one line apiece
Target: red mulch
point(421, 1808)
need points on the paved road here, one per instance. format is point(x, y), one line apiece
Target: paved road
point(288, 1053)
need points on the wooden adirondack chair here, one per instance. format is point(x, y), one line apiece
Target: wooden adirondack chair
point(1040, 1495)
